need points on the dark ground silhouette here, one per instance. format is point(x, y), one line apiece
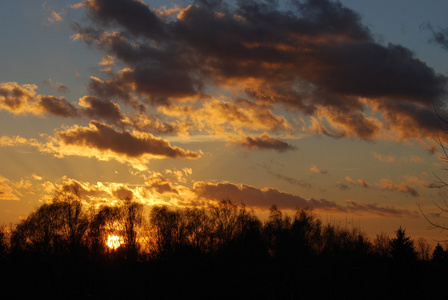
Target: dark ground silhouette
point(222, 252)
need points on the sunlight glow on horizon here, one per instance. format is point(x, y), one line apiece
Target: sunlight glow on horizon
point(114, 241)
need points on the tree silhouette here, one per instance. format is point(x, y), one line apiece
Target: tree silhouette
point(55, 227)
point(197, 251)
point(133, 220)
point(402, 247)
point(168, 230)
point(4, 243)
point(440, 255)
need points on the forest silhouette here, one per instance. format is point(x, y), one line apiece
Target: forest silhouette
point(70, 250)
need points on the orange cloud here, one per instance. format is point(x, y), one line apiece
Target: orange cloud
point(359, 182)
point(161, 185)
point(416, 159)
point(104, 143)
point(76, 5)
point(317, 170)
point(104, 138)
point(266, 142)
point(6, 191)
point(23, 99)
point(403, 187)
point(384, 158)
point(221, 117)
point(156, 191)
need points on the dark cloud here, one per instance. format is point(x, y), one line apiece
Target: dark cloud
point(116, 87)
point(288, 179)
point(252, 196)
point(388, 211)
point(266, 142)
point(315, 57)
point(162, 185)
point(342, 186)
point(62, 88)
point(23, 99)
point(265, 198)
point(103, 137)
point(57, 106)
point(102, 109)
point(440, 36)
point(359, 182)
point(123, 193)
point(132, 14)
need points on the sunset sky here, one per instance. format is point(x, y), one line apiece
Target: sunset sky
point(319, 104)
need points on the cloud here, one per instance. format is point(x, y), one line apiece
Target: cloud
point(227, 118)
point(384, 158)
point(62, 88)
point(261, 198)
point(104, 138)
point(76, 5)
point(23, 99)
point(123, 193)
point(359, 182)
point(416, 159)
point(161, 185)
point(317, 170)
point(147, 122)
point(288, 179)
point(103, 142)
point(315, 58)
point(441, 37)
point(55, 17)
point(107, 63)
point(98, 193)
point(387, 211)
point(342, 186)
point(266, 197)
point(157, 190)
point(6, 191)
point(102, 109)
point(403, 187)
point(266, 142)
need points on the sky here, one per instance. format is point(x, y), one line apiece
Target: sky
point(303, 104)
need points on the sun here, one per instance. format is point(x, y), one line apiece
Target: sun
point(114, 241)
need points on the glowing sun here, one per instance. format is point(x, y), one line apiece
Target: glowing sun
point(114, 241)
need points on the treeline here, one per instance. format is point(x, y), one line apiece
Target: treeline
point(68, 250)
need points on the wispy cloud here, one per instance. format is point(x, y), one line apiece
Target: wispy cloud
point(358, 182)
point(388, 211)
point(76, 5)
point(288, 179)
point(266, 142)
point(384, 158)
point(342, 186)
point(264, 198)
point(7, 192)
point(317, 170)
point(403, 187)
